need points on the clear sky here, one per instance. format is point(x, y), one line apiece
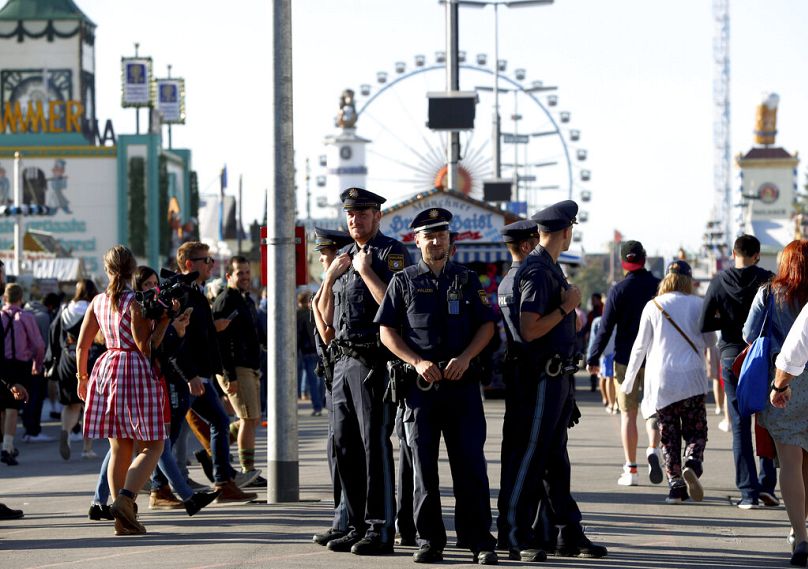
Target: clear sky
point(636, 76)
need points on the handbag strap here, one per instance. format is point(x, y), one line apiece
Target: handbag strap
point(675, 325)
point(764, 328)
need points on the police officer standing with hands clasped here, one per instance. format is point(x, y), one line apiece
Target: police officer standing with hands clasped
point(436, 318)
point(544, 339)
point(353, 287)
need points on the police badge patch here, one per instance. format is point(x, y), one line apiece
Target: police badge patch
point(353, 193)
point(483, 297)
point(434, 213)
point(395, 262)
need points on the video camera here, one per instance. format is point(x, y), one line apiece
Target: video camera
point(159, 300)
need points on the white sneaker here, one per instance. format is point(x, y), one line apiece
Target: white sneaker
point(40, 438)
point(724, 426)
point(628, 478)
point(75, 437)
point(88, 454)
point(654, 458)
point(718, 410)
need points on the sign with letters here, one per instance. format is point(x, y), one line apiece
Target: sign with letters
point(136, 81)
point(170, 100)
point(473, 223)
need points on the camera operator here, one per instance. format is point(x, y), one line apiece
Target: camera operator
point(203, 363)
point(241, 357)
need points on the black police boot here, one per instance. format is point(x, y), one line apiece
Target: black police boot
point(573, 543)
point(344, 543)
point(427, 554)
point(199, 500)
point(371, 546)
point(527, 555)
point(325, 537)
point(485, 558)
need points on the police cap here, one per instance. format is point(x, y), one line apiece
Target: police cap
point(556, 217)
point(432, 219)
point(520, 231)
point(358, 198)
point(325, 238)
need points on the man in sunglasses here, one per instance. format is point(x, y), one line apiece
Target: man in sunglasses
point(205, 362)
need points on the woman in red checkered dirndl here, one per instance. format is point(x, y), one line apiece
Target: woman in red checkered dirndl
point(124, 401)
point(124, 398)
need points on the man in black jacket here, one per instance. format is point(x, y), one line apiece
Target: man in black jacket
point(726, 306)
point(200, 369)
point(623, 309)
point(241, 356)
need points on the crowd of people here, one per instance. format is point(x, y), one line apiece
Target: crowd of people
point(144, 364)
point(388, 345)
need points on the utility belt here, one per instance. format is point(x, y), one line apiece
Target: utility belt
point(554, 366)
point(370, 353)
point(404, 376)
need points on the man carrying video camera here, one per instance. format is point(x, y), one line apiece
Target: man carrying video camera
point(241, 357)
point(200, 369)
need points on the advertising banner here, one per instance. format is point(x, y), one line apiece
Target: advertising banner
point(136, 81)
point(170, 100)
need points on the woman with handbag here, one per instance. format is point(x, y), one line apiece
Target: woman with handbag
point(675, 378)
point(780, 303)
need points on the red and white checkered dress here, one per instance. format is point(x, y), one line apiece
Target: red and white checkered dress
point(124, 398)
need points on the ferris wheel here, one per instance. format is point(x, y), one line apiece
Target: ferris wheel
point(540, 149)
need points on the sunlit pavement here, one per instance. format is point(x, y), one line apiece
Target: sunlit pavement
point(636, 525)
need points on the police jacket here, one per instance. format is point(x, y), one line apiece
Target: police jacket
point(623, 309)
point(354, 306)
point(200, 339)
point(238, 343)
point(538, 284)
point(417, 305)
point(509, 308)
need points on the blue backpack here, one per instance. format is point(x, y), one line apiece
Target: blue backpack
point(753, 383)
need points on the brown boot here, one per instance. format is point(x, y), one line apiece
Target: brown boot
point(164, 499)
point(232, 493)
point(123, 508)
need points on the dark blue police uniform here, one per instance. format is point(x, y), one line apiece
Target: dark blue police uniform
point(542, 400)
point(331, 239)
point(417, 304)
point(362, 420)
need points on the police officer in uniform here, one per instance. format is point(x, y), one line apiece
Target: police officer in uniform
point(328, 242)
point(436, 318)
point(353, 287)
point(540, 317)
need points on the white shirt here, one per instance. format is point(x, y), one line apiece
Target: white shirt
point(673, 371)
point(794, 354)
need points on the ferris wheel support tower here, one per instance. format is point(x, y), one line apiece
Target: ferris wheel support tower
point(722, 168)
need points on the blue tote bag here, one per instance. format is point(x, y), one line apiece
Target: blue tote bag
point(753, 383)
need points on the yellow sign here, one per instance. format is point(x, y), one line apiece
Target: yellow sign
point(62, 116)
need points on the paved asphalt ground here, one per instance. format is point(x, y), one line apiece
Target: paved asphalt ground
point(636, 525)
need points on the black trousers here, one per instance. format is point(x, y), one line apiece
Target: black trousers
point(538, 453)
point(363, 425)
point(455, 410)
point(405, 523)
point(340, 521)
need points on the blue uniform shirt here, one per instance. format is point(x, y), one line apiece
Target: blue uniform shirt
point(509, 306)
point(416, 305)
point(354, 306)
point(539, 282)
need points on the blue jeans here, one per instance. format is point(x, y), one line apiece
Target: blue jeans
point(209, 407)
point(746, 475)
point(101, 495)
point(314, 382)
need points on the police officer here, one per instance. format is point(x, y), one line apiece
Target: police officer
point(436, 318)
point(540, 317)
point(353, 287)
point(328, 242)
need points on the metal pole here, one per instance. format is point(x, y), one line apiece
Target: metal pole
point(308, 189)
point(17, 218)
point(515, 144)
point(452, 84)
point(282, 454)
point(238, 225)
point(496, 143)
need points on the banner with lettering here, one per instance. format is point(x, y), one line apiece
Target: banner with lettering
point(170, 100)
point(474, 223)
point(136, 81)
